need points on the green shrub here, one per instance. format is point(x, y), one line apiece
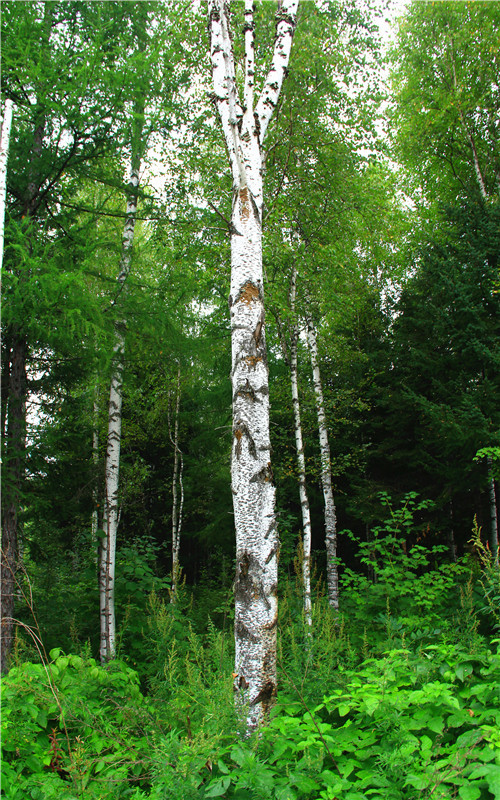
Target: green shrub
point(72, 729)
point(405, 584)
point(407, 726)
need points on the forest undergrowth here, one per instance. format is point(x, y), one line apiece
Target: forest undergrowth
point(396, 697)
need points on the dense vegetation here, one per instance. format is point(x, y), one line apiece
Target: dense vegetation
point(383, 203)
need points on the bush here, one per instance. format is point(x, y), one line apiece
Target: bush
point(71, 729)
point(407, 726)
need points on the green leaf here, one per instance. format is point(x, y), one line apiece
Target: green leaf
point(436, 724)
point(469, 791)
point(417, 781)
point(463, 671)
point(42, 718)
point(218, 788)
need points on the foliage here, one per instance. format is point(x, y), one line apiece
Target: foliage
point(397, 695)
point(390, 713)
point(71, 728)
point(408, 725)
point(403, 579)
point(489, 580)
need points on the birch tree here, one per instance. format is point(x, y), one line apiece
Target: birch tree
point(112, 462)
point(332, 578)
point(177, 489)
point(446, 80)
point(107, 556)
point(245, 124)
point(147, 115)
point(292, 360)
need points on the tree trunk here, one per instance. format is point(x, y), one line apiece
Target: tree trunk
point(301, 462)
point(452, 547)
point(13, 472)
point(177, 503)
point(256, 605)
point(326, 473)
point(112, 461)
point(95, 463)
point(493, 511)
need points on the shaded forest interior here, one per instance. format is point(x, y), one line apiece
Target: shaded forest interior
point(380, 220)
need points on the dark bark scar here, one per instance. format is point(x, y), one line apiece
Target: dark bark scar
point(248, 292)
point(245, 203)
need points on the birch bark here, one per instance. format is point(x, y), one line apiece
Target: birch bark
point(301, 462)
point(95, 464)
point(493, 510)
point(107, 556)
point(326, 473)
point(177, 503)
point(256, 605)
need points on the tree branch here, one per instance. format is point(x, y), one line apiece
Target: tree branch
point(286, 19)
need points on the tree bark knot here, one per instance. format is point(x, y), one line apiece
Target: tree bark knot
point(265, 696)
point(246, 391)
point(241, 430)
point(264, 475)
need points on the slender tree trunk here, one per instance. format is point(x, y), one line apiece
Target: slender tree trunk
point(177, 504)
point(452, 547)
point(95, 463)
point(301, 462)
point(4, 388)
point(112, 461)
point(244, 127)
point(326, 473)
point(493, 510)
point(4, 152)
point(13, 473)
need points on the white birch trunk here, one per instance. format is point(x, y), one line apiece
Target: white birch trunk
point(493, 511)
point(112, 462)
point(95, 463)
point(4, 154)
point(326, 473)
point(176, 481)
point(475, 158)
point(301, 462)
point(256, 605)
